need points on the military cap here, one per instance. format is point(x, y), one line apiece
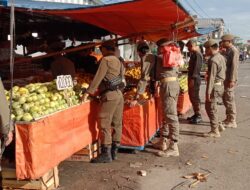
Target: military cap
point(227, 37)
point(141, 45)
point(210, 43)
point(192, 41)
point(162, 42)
point(109, 44)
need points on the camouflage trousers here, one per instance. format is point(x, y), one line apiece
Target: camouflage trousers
point(211, 107)
point(169, 92)
point(194, 96)
point(229, 102)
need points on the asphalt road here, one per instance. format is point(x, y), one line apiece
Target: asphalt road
point(227, 159)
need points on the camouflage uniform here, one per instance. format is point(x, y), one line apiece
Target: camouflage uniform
point(169, 91)
point(194, 70)
point(112, 102)
point(216, 77)
point(232, 56)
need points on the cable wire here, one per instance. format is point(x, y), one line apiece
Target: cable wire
point(201, 8)
point(193, 8)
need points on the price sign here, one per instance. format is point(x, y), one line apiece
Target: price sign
point(64, 82)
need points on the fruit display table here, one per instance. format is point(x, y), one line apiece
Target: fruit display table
point(184, 103)
point(140, 124)
point(43, 144)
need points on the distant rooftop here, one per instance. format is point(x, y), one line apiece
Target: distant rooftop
point(208, 22)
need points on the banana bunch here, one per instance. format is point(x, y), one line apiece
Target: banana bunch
point(183, 81)
point(134, 73)
point(184, 67)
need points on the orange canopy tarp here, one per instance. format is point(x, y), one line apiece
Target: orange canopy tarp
point(152, 19)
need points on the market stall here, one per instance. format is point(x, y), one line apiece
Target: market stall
point(58, 134)
point(48, 130)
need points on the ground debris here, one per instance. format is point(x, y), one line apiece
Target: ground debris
point(204, 156)
point(128, 178)
point(232, 151)
point(195, 177)
point(142, 173)
point(189, 163)
point(135, 165)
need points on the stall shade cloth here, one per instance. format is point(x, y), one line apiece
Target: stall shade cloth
point(151, 19)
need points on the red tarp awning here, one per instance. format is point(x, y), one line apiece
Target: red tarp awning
point(152, 19)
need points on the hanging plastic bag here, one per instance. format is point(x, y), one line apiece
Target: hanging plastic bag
point(172, 56)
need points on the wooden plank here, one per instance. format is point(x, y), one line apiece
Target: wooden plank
point(47, 176)
point(48, 182)
point(9, 173)
point(84, 158)
point(22, 184)
point(56, 177)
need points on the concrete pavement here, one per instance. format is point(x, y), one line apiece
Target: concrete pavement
point(227, 158)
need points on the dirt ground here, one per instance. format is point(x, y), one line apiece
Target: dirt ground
point(227, 159)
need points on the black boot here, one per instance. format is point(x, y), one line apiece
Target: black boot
point(114, 150)
point(197, 119)
point(191, 118)
point(105, 156)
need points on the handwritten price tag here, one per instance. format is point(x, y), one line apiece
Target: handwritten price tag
point(64, 82)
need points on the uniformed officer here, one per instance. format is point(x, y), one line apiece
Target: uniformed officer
point(148, 74)
point(6, 129)
point(232, 56)
point(169, 91)
point(112, 102)
point(214, 89)
point(194, 80)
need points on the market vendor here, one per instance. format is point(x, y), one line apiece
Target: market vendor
point(6, 128)
point(108, 80)
point(87, 61)
point(60, 65)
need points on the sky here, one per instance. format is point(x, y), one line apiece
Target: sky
point(236, 13)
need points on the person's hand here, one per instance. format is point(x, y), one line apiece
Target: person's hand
point(9, 138)
point(231, 84)
point(133, 103)
point(85, 97)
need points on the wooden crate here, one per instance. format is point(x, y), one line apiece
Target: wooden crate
point(86, 154)
point(48, 181)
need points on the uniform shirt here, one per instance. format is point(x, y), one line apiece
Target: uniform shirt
point(109, 68)
point(216, 71)
point(232, 56)
point(62, 66)
point(195, 64)
point(152, 69)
